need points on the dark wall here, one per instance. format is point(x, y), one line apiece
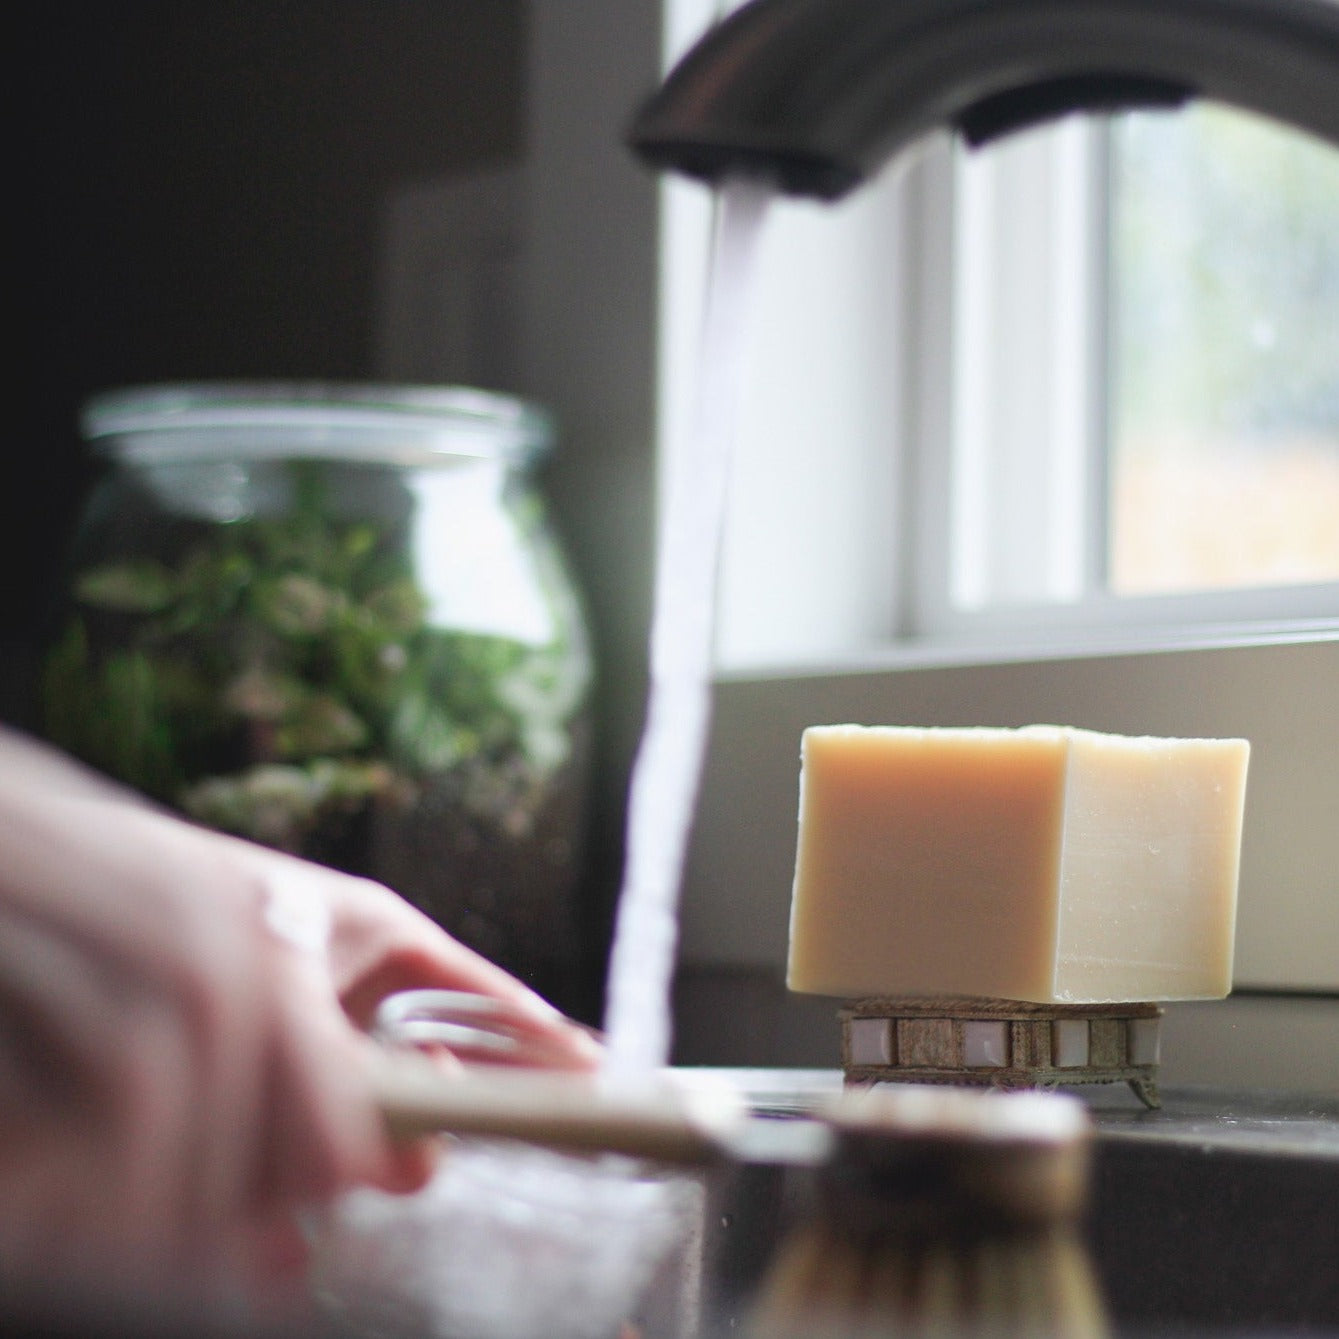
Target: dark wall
point(194, 193)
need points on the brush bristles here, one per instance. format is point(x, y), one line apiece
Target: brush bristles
point(829, 1284)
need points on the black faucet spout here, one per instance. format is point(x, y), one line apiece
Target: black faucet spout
point(815, 95)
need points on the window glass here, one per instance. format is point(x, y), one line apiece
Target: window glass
point(1224, 344)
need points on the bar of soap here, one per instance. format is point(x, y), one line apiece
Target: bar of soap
point(1047, 864)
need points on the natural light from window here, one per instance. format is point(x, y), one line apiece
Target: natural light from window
point(1144, 377)
point(1081, 383)
point(1224, 312)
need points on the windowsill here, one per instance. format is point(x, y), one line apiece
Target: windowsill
point(1251, 1042)
point(994, 647)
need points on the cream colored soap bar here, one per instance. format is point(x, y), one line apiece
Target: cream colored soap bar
point(1046, 864)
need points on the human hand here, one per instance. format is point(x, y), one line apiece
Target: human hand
point(183, 1060)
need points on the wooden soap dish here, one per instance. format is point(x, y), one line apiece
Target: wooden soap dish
point(1001, 1043)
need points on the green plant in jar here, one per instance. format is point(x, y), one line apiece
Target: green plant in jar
point(293, 664)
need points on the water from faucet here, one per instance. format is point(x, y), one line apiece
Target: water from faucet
point(507, 1241)
point(668, 766)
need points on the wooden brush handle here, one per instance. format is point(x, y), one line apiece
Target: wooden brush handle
point(556, 1110)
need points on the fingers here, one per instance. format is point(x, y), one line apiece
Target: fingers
point(482, 1029)
point(498, 1029)
point(411, 1163)
point(411, 1166)
point(382, 946)
point(316, 1132)
point(324, 1132)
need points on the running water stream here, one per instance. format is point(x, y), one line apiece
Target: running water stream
point(668, 767)
point(506, 1241)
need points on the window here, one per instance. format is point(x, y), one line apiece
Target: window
point(1143, 374)
point(1224, 366)
point(1085, 379)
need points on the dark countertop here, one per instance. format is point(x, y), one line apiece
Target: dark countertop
point(1264, 1123)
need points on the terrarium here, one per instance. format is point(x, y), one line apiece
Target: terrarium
point(334, 619)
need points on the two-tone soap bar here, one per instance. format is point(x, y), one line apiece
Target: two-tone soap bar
point(1047, 864)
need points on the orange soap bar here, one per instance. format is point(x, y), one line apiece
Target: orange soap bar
point(1047, 864)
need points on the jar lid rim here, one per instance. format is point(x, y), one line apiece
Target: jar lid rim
point(393, 422)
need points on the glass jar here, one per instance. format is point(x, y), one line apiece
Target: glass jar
point(333, 619)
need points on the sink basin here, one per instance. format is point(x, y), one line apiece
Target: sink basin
point(1218, 1213)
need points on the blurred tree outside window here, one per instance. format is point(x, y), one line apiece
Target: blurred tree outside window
point(1223, 432)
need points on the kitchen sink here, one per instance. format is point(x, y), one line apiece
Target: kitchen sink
point(1217, 1213)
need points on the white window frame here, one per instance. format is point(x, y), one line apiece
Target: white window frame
point(1014, 506)
point(965, 511)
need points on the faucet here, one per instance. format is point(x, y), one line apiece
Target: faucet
point(815, 95)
